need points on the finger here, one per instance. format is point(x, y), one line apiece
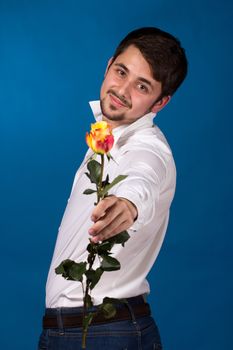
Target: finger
point(111, 231)
point(102, 207)
point(111, 214)
point(115, 226)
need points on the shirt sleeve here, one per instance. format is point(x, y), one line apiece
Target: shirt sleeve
point(145, 172)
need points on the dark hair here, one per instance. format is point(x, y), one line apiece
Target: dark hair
point(164, 54)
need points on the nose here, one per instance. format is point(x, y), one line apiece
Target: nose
point(124, 89)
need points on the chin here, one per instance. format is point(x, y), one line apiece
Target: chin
point(118, 117)
point(110, 112)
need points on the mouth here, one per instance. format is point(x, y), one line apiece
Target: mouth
point(116, 101)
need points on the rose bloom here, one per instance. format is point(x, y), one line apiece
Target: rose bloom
point(100, 139)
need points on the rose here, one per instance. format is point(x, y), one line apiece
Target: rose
point(100, 139)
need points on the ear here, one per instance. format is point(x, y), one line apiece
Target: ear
point(160, 104)
point(110, 61)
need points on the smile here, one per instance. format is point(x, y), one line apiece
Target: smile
point(116, 101)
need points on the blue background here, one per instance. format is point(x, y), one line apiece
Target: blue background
point(52, 59)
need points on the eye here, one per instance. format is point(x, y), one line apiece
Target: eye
point(142, 88)
point(121, 72)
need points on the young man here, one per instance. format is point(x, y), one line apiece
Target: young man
point(145, 71)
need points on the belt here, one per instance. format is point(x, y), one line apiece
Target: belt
point(75, 320)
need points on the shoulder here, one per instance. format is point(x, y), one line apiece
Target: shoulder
point(145, 150)
point(149, 140)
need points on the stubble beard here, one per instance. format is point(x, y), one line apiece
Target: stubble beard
point(109, 116)
point(120, 116)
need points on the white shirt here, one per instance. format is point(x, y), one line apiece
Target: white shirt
point(140, 151)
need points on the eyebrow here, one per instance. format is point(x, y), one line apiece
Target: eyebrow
point(139, 78)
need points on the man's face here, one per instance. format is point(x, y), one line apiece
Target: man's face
point(129, 90)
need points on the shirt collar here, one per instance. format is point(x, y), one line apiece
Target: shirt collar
point(141, 123)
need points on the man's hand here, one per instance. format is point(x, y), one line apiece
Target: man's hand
point(111, 216)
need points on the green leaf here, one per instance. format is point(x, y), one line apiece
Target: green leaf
point(94, 168)
point(114, 300)
point(92, 247)
point(88, 175)
point(110, 264)
point(108, 309)
point(94, 276)
point(113, 183)
point(106, 181)
point(89, 248)
point(98, 273)
point(104, 247)
point(89, 191)
point(120, 238)
point(64, 268)
point(77, 270)
point(60, 269)
point(109, 156)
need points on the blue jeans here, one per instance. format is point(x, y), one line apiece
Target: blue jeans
point(134, 334)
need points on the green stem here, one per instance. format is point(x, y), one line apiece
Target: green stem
point(99, 186)
point(84, 335)
point(102, 169)
point(91, 257)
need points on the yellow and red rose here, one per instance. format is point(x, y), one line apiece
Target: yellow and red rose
point(100, 139)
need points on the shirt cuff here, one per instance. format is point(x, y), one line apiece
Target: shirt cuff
point(136, 200)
